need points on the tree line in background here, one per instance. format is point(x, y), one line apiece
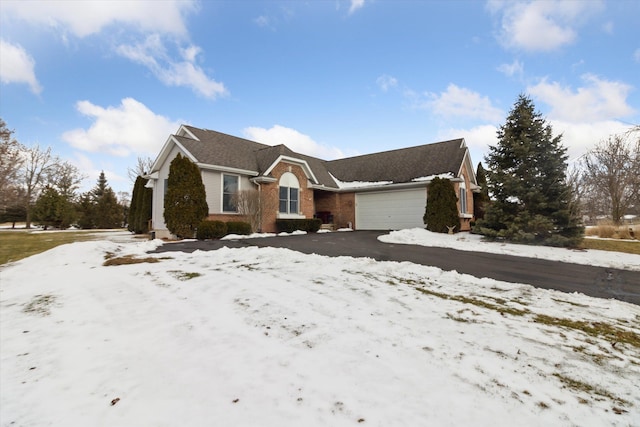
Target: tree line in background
point(36, 186)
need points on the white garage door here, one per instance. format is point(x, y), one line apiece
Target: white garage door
point(390, 210)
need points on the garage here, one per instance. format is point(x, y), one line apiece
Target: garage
point(390, 210)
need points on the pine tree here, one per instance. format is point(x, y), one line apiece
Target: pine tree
point(46, 210)
point(441, 212)
point(185, 203)
point(109, 211)
point(140, 209)
point(99, 208)
point(526, 177)
point(481, 199)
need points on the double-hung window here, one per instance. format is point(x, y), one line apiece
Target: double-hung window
point(229, 190)
point(289, 194)
point(463, 200)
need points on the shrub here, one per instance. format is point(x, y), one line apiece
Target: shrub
point(441, 211)
point(211, 230)
point(291, 225)
point(238, 227)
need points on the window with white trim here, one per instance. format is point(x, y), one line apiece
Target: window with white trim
point(230, 186)
point(463, 198)
point(289, 194)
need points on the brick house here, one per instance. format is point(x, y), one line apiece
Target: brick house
point(380, 191)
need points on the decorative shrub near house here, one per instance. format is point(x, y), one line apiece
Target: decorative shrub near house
point(441, 213)
point(291, 225)
point(211, 230)
point(238, 227)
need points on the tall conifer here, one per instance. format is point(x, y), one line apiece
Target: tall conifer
point(441, 211)
point(527, 179)
point(185, 203)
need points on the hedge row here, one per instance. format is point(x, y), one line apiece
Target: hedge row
point(291, 225)
point(217, 229)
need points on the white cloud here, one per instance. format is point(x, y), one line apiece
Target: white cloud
point(581, 137)
point(541, 25)
point(355, 5)
point(153, 54)
point(597, 100)
point(386, 82)
point(83, 18)
point(296, 141)
point(17, 66)
point(462, 102)
point(128, 128)
point(516, 68)
point(478, 139)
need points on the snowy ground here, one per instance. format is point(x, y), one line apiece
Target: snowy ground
point(474, 242)
point(272, 337)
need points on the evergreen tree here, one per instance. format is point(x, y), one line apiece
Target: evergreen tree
point(185, 203)
point(109, 211)
point(99, 208)
point(441, 212)
point(46, 210)
point(481, 200)
point(526, 177)
point(140, 209)
point(86, 211)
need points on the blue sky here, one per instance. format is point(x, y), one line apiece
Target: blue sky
point(104, 83)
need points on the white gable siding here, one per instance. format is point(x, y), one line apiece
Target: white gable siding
point(212, 181)
point(159, 190)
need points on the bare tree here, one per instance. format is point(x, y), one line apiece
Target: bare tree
point(142, 167)
point(10, 163)
point(249, 205)
point(36, 170)
point(611, 173)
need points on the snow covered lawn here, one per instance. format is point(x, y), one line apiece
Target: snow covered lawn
point(272, 337)
point(474, 243)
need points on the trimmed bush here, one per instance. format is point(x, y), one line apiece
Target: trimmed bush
point(238, 227)
point(441, 211)
point(211, 230)
point(291, 225)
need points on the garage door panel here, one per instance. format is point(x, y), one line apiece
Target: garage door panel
point(390, 210)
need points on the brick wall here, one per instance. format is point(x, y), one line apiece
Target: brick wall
point(271, 196)
point(341, 205)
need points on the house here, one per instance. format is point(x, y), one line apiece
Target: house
point(380, 191)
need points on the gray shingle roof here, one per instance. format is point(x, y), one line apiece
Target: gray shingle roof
point(402, 165)
point(398, 166)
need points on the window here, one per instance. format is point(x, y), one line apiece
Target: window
point(229, 189)
point(463, 200)
point(289, 194)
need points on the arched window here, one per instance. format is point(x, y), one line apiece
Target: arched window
point(289, 194)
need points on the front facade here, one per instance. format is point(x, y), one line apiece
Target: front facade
point(380, 191)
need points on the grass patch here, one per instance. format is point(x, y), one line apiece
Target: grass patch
point(595, 329)
point(17, 245)
point(127, 260)
point(477, 302)
point(630, 247)
point(183, 275)
point(589, 389)
point(40, 305)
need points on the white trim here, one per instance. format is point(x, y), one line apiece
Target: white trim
point(281, 215)
point(222, 175)
point(164, 152)
point(183, 130)
point(293, 160)
point(226, 169)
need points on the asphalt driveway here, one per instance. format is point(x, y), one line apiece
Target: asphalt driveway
point(598, 282)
